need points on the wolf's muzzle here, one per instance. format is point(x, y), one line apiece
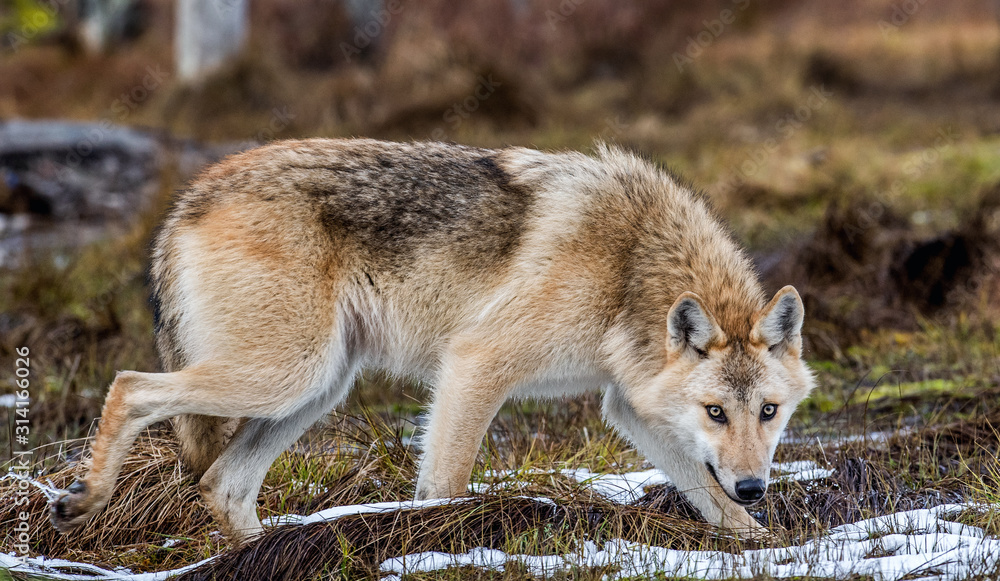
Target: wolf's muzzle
point(750, 490)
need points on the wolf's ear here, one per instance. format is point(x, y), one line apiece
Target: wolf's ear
point(779, 324)
point(689, 324)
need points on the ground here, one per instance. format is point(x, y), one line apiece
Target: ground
point(856, 154)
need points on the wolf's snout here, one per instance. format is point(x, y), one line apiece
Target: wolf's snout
point(751, 489)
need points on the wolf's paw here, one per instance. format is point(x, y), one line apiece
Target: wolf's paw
point(72, 508)
point(765, 536)
point(770, 535)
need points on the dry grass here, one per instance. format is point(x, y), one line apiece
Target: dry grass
point(864, 242)
point(835, 206)
point(365, 460)
point(356, 545)
point(153, 501)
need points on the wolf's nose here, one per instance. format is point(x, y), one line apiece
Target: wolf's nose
point(751, 489)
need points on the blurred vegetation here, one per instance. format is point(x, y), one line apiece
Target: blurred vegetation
point(835, 142)
point(28, 18)
point(828, 141)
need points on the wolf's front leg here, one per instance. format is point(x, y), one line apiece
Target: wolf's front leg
point(467, 398)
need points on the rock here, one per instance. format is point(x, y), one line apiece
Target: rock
point(95, 172)
point(65, 183)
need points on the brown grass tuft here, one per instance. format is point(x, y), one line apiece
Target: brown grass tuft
point(861, 244)
point(356, 545)
point(153, 501)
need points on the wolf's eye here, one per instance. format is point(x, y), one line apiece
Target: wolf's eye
point(767, 412)
point(715, 412)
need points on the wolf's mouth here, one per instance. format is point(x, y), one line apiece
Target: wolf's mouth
point(711, 470)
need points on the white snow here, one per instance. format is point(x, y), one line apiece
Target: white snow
point(628, 487)
point(47, 488)
point(336, 512)
point(801, 470)
point(53, 569)
point(922, 544)
point(925, 545)
point(621, 488)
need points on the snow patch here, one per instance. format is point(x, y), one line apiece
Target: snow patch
point(341, 511)
point(54, 569)
point(47, 488)
point(916, 544)
point(623, 488)
point(628, 487)
point(926, 546)
point(920, 544)
point(801, 471)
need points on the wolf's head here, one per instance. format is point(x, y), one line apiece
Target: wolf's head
point(725, 400)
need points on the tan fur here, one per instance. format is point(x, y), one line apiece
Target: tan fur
point(488, 274)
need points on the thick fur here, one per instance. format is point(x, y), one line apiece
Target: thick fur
point(488, 274)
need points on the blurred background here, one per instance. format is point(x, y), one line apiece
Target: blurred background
point(853, 146)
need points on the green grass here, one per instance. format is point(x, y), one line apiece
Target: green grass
point(930, 385)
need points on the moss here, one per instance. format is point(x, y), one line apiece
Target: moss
point(930, 389)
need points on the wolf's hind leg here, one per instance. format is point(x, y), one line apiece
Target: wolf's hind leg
point(232, 483)
point(136, 400)
point(202, 439)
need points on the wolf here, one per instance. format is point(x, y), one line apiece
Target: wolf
point(486, 273)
